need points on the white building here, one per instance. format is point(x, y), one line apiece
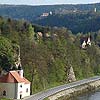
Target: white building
point(13, 85)
point(45, 15)
point(95, 9)
point(86, 42)
point(89, 41)
point(50, 13)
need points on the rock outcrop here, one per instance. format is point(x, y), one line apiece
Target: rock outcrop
point(71, 75)
point(17, 57)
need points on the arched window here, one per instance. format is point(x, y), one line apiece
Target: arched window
point(4, 93)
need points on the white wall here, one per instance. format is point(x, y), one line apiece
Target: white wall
point(25, 87)
point(22, 90)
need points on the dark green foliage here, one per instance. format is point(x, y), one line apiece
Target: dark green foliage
point(76, 22)
point(32, 12)
point(46, 61)
point(77, 18)
point(6, 53)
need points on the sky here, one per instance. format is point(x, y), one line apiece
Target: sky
point(47, 2)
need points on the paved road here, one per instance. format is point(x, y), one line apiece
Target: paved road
point(44, 94)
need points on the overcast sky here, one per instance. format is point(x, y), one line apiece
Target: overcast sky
point(47, 2)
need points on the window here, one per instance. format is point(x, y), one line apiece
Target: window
point(27, 90)
point(21, 86)
point(4, 93)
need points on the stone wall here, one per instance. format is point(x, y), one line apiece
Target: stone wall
point(76, 91)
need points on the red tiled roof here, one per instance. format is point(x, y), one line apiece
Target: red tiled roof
point(26, 81)
point(13, 77)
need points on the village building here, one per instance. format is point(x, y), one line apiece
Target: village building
point(89, 41)
point(45, 14)
point(47, 35)
point(95, 9)
point(84, 44)
point(40, 34)
point(86, 41)
point(51, 13)
point(13, 85)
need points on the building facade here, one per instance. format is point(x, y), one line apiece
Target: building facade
point(14, 86)
point(86, 42)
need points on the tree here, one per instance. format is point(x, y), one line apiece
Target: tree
point(30, 32)
point(6, 53)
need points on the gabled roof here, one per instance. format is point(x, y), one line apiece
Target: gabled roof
point(13, 77)
point(82, 39)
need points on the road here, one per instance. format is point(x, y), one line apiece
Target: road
point(47, 93)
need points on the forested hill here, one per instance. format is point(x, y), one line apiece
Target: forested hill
point(31, 12)
point(78, 18)
point(47, 54)
point(77, 22)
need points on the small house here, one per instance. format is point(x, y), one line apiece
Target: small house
point(45, 15)
point(85, 42)
point(14, 86)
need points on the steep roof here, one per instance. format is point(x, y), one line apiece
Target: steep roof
point(85, 38)
point(13, 77)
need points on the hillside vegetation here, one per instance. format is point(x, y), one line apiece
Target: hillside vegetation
point(77, 18)
point(46, 58)
point(77, 22)
point(31, 12)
